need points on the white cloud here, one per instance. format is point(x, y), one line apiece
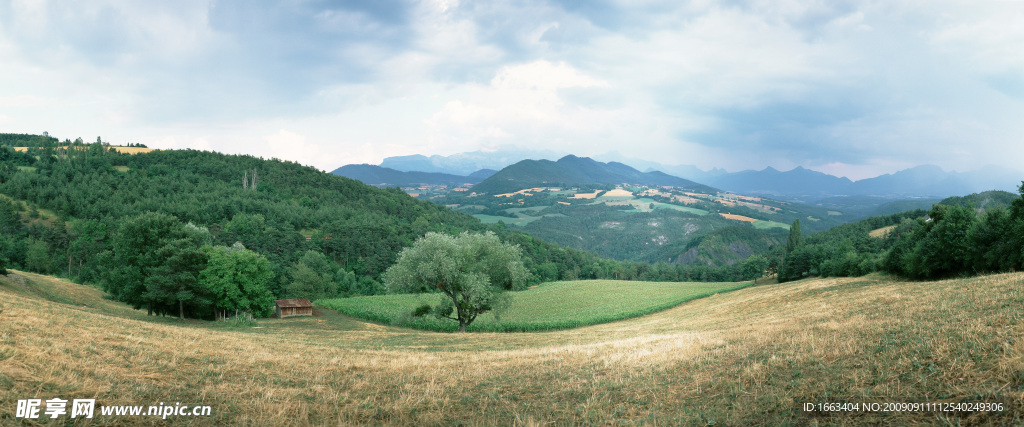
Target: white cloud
point(526, 104)
point(290, 145)
point(542, 76)
point(749, 84)
point(988, 34)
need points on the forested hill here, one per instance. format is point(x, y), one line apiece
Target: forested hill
point(25, 140)
point(61, 212)
point(572, 170)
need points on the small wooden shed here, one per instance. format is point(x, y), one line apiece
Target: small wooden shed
point(294, 307)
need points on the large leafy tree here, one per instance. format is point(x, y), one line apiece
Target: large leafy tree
point(472, 271)
point(237, 280)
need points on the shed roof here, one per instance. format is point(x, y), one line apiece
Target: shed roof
point(294, 302)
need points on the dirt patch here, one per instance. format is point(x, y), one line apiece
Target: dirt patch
point(738, 217)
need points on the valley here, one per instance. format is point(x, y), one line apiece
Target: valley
point(658, 300)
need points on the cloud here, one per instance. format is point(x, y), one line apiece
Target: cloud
point(735, 84)
point(524, 103)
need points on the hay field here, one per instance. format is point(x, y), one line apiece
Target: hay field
point(738, 217)
point(752, 356)
point(586, 195)
point(880, 233)
point(618, 192)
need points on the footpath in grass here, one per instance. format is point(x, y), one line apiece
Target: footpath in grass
point(547, 307)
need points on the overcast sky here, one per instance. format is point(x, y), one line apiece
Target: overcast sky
point(852, 88)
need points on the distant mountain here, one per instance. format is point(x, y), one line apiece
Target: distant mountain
point(926, 181)
point(572, 170)
point(466, 163)
point(689, 172)
point(798, 182)
point(481, 175)
point(932, 181)
point(381, 176)
point(799, 185)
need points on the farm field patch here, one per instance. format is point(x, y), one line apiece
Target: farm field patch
point(763, 225)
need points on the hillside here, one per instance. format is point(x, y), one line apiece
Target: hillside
point(752, 356)
point(985, 201)
point(571, 170)
point(647, 223)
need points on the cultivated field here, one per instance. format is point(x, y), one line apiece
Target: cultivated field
point(550, 306)
point(752, 356)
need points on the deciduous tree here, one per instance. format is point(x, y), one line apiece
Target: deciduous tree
point(472, 271)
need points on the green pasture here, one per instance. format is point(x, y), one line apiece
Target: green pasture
point(493, 219)
point(764, 225)
point(550, 306)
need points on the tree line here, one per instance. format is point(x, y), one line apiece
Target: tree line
point(955, 238)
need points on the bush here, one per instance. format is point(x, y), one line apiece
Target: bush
point(421, 311)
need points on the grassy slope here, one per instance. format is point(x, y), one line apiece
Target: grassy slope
point(550, 306)
point(750, 356)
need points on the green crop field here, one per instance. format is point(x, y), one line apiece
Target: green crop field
point(550, 306)
point(694, 211)
point(763, 225)
point(493, 219)
point(526, 211)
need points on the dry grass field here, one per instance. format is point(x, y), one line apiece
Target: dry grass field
point(880, 233)
point(752, 356)
point(738, 217)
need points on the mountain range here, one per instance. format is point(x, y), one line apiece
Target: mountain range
point(799, 184)
point(387, 177)
point(927, 181)
point(466, 163)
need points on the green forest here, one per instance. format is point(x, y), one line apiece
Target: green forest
point(959, 236)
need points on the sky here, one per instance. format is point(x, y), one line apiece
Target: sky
point(851, 88)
